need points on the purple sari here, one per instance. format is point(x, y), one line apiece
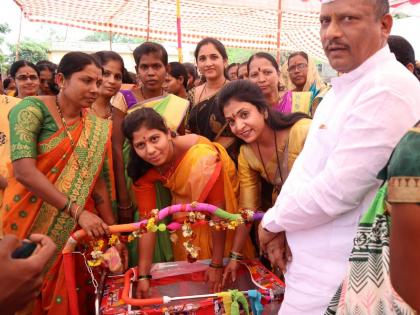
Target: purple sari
point(285, 105)
point(129, 97)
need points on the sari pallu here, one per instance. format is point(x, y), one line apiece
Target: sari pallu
point(73, 172)
point(195, 176)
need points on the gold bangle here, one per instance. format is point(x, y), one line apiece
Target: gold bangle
point(236, 256)
point(75, 217)
point(68, 210)
point(66, 205)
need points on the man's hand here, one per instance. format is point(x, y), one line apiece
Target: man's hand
point(264, 237)
point(278, 251)
point(21, 279)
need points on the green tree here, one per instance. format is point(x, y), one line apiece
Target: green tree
point(29, 50)
point(4, 29)
point(239, 55)
point(116, 38)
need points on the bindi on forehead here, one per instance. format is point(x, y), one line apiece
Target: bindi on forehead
point(26, 70)
point(234, 115)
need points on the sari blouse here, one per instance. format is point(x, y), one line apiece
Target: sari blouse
point(251, 170)
point(403, 172)
point(30, 123)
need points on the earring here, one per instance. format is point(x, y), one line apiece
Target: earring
point(265, 115)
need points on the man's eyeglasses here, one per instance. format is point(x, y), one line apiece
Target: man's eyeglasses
point(32, 77)
point(298, 67)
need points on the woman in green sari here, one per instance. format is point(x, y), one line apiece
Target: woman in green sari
point(58, 153)
point(384, 265)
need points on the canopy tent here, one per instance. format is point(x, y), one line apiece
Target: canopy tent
point(270, 25)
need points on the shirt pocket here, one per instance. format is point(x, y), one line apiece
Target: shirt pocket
point(322, 144)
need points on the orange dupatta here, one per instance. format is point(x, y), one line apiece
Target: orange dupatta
point(192, 180)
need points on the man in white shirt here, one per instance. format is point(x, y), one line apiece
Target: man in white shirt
point(353, 133)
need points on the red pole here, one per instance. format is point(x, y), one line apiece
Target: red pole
point(178, 27)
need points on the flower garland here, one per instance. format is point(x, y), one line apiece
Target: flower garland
point(245, 217)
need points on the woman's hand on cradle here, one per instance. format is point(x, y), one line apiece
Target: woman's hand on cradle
point(229, 275)
point(143, 289)
point(92, 224)
point(213, 276)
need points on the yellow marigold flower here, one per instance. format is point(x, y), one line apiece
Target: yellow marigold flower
point(113, 240)
point(94, 263)
point(151, 226)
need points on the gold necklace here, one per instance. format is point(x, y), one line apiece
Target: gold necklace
point(171, 166)
point(277, 184)
point(144, 98)
point(107, 116)
point(63, 120)
point(84, 171)
point(204, 89)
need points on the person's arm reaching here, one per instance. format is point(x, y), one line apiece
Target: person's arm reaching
point(21, 279)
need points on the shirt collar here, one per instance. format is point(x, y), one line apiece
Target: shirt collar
point(376, 60)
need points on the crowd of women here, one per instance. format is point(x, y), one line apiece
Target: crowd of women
point(83, 146)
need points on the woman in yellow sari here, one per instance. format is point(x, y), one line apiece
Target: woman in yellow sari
point(271, 143)
point(193, 169)
point(58, 151)
point(305, 88)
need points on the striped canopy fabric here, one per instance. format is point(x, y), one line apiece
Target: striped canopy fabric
point(244, 24)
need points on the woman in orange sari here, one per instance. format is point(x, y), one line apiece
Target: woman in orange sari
point(193, 169)
point(58, 151)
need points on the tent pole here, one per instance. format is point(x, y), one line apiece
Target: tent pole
point(110, 40)
point(20, 32)
point(279, 16)
point(178, 27)
point(148, 20)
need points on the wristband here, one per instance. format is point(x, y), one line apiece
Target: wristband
point(236, 256)
point(144, 277)
point(215, 266)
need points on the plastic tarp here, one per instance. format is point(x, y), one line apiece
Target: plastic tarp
point(246, 23)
